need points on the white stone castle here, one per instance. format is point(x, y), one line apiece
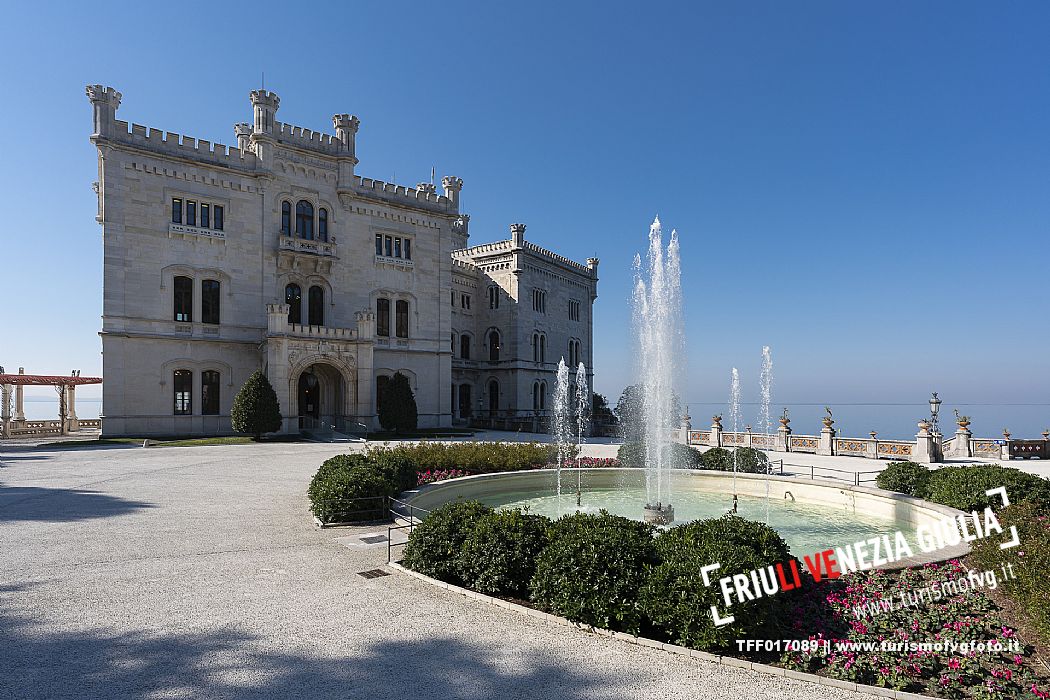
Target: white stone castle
point(276, 255)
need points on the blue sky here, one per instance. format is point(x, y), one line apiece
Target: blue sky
point(861, 186)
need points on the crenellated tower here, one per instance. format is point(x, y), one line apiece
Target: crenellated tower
point(453, 186)
point(104, 102)
point(346, 126)
point(264, 105)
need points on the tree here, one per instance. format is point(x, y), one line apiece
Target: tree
point(255, 408)
point(397, 411)
point(630, 410)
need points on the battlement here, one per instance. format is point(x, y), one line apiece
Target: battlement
point(485, 249)
point(172, 144)
point(307, 138)
point(426, 197)
point(466, 265)
point(543, 252)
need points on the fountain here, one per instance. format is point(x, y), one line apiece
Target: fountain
point(765, 383)
point(734, 415)
point(561, 419)
point(658, 334)
point(582, 414)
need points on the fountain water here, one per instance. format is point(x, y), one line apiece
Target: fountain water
point(764, 420)
point(582, 415)
point(734, 416)
point(561, 419)
point(658, 334)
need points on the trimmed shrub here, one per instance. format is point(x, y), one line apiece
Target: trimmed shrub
point(255, 409)
point(397, 411)
point(905, 477)
point(748, 460)
point(1030, 561)
point(632, 454)
point(474, 457)
point(396, 467)
point(964, 487)
point(592, 569)
point(678, 602)
point(434, 546)
point(498, 556)
point(346, 488)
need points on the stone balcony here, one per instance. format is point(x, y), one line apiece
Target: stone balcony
point(308, 255)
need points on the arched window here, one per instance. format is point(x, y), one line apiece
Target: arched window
point(304, 219)
point(543, 347)
point(543, 396)
point(183, 299)
point(209, 393)
point(493, 396)
point(576, 346)
point(535, 347)
point(464, 346)
point(535, 396)
point(493, 296)
point(383, 317)
point(183, 385)
point(401, 318)
point(293, 296)
point(322, 224)
point(493, 345)
point(316, 306)
point(210, 301)
point(286, 218)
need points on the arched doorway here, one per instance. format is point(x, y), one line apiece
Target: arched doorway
point(309, 396)
point(321, 396)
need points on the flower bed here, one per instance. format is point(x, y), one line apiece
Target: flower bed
point(432, 475)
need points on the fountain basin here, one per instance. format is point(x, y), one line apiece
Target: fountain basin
point(811, 515)
point(658, 514)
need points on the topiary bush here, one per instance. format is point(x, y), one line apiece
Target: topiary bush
point(255, 408)
point(592, 569)
point(434, 546)
point(964, 487)
point(349, 488)
point(632, 454)
point(675, 598)
point(748, 460)
point(499, 555)
point(905, 477)
point(397, 411)
point(1030, 561)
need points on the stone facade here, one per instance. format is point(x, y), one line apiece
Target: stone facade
point(275, 254)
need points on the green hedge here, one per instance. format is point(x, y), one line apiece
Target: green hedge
point(475, 457)
point(498, 556)
point(964, 487)
point(679, 456)
point(435, 544)
point(748, 460)
point(593, 568)
point(905, 477)
point(676, 599)
point(348, 488)
point(1030, 561)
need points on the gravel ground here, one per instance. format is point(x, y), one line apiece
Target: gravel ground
point(197, 572)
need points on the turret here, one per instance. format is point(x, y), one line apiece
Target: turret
point(244, 136)
point(346, 135)
point(453, 185)
point(517, 235)
point(264, 104)
point(104, 102)
point(592, 265)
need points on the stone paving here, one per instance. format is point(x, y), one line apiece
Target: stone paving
point(197, 572)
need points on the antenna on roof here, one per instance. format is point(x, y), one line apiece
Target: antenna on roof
point(432, 169)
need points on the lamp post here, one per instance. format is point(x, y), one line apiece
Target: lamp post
point(935, 408)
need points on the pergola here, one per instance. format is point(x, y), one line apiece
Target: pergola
point(65, 386)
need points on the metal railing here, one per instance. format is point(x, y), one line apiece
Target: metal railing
point(407, 513)
point(857, 477)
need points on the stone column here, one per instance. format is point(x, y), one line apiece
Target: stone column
point(683, 431)
point(716, 432)
point(72, 421)
point(1004, 450)
point(962, 446)
point(924, 449)
point(783, 437)
point(5, 410)
point(20, 413)
point(748, 437)
point(826, 444)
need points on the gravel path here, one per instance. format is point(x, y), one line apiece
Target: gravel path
point(197, 572)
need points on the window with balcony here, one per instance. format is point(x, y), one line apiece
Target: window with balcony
point(183, 292)
point(293, 296)
point(183, 386)
point(304, 220)
point(316, 306)
point(217, 222)
point(186, 211)
point(210, 301)
point(383, 317)
point(205, 215)
point(401, 318)
point(191, 213)
point(209, 393)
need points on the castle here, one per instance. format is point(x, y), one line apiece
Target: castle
point(276, 255)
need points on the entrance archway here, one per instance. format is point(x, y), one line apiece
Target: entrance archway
point(323, 396)
point(309, 395)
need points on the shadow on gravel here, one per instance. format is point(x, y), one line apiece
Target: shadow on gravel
point(42, 663)
point(37, 504)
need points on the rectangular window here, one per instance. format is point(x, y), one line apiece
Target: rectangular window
point(210, 301)
point(389, 241)
point(183, 296)
point(408, 249)
point(209, 393)
point(218, 217)
point(176, 210)
point(379, 244)
point(205, 216)
point(397, 247)
point(183, 392)
point(452, 298)
point(401, 319)
point(191, 213)
point(383, 317)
